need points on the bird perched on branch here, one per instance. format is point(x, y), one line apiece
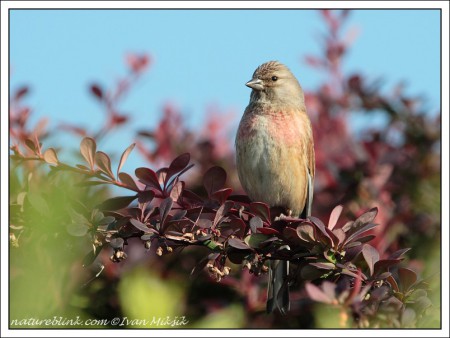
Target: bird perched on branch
point(275, 156)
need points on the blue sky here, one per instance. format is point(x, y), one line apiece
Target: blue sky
point(202, 58)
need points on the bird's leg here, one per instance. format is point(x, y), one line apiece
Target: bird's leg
point(283, 216)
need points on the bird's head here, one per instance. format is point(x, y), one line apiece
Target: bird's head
point(273, 83)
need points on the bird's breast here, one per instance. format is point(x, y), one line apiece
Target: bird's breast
point(271, 158)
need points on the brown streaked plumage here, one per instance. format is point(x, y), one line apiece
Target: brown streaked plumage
point(275, 154)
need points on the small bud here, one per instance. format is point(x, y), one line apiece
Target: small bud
point(343, 318)
point(226, 270)
point(169, 249)
point(13, 240)
point(148, 244)
point(189, 235)
point(159, 251)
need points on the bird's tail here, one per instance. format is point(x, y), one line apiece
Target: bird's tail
point(278, 288)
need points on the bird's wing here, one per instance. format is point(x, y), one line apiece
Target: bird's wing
point(311, 172)
point(309, 196)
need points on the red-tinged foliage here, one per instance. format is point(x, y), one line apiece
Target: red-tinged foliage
point(138, 63)
point(383, 182)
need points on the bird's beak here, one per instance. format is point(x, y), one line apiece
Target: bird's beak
point(256, 84)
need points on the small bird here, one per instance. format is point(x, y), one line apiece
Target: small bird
point(275, 156)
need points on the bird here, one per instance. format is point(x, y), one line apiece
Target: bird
point(275, 157)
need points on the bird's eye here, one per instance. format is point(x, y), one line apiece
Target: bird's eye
point(274, 78)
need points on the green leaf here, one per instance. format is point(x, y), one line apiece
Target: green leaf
point(38, 203)
point(255, 240)
point(77, 229)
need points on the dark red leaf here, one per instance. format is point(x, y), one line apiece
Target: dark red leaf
point(238, 244)
point(199, 267)
point(30, 144)
point(124, 157)
point(268, 231)
point(179, 215)
point(352, 253)
point(222, 211)
point(178, 164)
point(145, 196)
point(21, 92)
point(399, 253)
point(116, 203)
point(204, 223)
point(221, 195)
point(117, 119)
point(148, 177)
point(384, 265)
point(371, 256)
point(164, 208)
point(355, 234)
point(319, 225)
point(97, 91)
point(191, 196)
point(292, 236)
point(364, 219)
point(261, 210)
point(104, 163)
point(366, 239)
point(305, 232)
point(407, 278)
point(214, 180)
point(356, 288)
point(141, 226)
point(238, 226)
point(243, 199)
point(393, 283)
point(128, 181)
